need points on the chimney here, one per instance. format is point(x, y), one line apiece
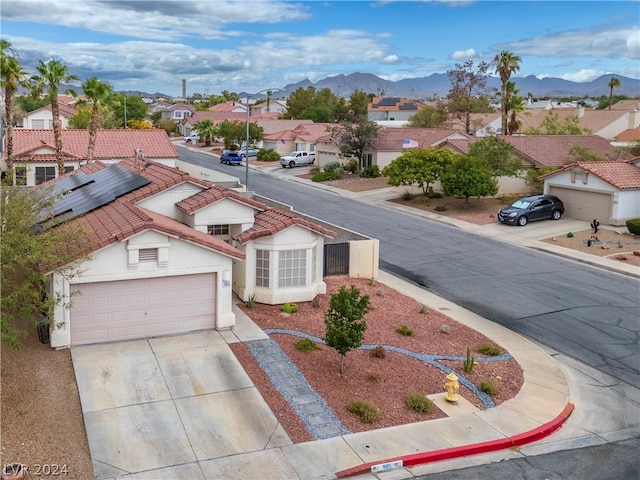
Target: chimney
point(184, 88)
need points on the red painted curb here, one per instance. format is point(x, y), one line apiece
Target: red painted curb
point(465, 450)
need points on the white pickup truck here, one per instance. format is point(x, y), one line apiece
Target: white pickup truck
point(297, 157)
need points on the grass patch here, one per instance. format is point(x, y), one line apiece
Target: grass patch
point(488, 348)
point(488, 387)
point(306, 345)
point(367, 411)
point(406, 331)
point(419, 403)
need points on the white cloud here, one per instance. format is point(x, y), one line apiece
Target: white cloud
point(463, 54)
point(584, 75)
point(390, 59)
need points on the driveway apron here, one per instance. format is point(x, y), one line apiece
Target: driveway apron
point(163, 405)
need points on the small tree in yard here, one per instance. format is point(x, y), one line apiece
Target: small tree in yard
point(345, 321)
point(420, 166)
point(469, 177)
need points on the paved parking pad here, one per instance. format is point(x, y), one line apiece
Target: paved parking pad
point(155, 408)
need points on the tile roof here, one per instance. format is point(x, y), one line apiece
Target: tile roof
point(269, 222)
point(229, 107)
point(547, 150)
point(630, 135)
point(592, 120)
point(110, 144)
point(122, 218)
point(213, 194)
point(216, 117)
point(390, 139)
point(275, 126)
point(622, 175)
point(64, 109)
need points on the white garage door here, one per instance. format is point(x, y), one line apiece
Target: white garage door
point(109, 311)
point(581, 205)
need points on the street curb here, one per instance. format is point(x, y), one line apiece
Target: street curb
point(536, 434)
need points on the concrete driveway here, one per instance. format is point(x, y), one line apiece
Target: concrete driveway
point(169, 407)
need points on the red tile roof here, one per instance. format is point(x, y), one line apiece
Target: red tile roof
point(390, 139)
point(122, 218)
point(630, 135)
point(64, 109)
point(216, 117)
point(622, 175)
point(272, 221)
point(110, 144)
point(547, 150)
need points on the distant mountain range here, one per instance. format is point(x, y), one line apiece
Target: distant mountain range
point(438, 84)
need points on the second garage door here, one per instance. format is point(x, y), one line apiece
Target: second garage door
point(583, 205)
point(128, 309)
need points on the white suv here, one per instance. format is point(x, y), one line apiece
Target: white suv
point(192, 138)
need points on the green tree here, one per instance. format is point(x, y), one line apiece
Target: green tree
point(317, 113)
point(420, 166)
point(578, 153)
point(354, 139)
point(49, 77)
point(467, 81)
point(207, 130)
point(428, 117)
point(81, 119)
point(25, 253)
point(28, 103)
point(235, 133)
point(167, 125)
point(135, 108)
point(358, 105)
point(506, 64)
point(344, 321)
point(97, 93)
point(613, 83)
point(468, 177)
point(551, 125)
point(532, 178)
point(307, 103)
point(497, 155)
point(11, 76)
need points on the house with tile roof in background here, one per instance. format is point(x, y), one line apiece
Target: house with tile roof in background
point(606, 191)
point(34, 150)
point(392, 111)
point(42, 118)
point(168, 251)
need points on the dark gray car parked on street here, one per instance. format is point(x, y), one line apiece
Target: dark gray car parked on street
point(530, 209)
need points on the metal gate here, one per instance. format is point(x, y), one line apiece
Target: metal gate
point(336, 259)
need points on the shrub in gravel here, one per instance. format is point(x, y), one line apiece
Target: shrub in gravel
point(419, 403)
point(406, 196)
point(633, 225)
point(324, 177)
point(488, 387)
point(406, 331)
point(367, 411)
point(372, 171)
point(441, 208)
point(289, 308)
point(488, 348)
point(422, 200)
point(378, 352)
point(306, 345)
point(332, 166)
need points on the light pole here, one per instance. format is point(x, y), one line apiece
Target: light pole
point(246, 143)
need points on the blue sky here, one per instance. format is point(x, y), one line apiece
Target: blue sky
point(247, 46)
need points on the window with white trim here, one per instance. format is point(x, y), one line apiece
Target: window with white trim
point(292, 268)
point(314, 259)
point(218, 230)
point(21, 175)
point(262, 268)
point(37, 124)
point(44, 174)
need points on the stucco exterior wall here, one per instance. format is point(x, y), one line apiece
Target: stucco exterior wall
point(364, 258)
point(119, 262)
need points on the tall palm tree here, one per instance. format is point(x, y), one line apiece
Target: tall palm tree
point(50, 76)
point(269, 93)
point(506, 64)
point(613, 83)
point(11, 75)
point(97, 93)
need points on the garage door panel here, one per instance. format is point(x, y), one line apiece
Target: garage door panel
point(582, 204)
point(127, 309)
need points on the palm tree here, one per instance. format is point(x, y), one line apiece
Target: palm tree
point(269, 93)
point(506, 63)
point(206, 129)
point(97, 92)
point(50, 76)
point(613, 83)
point(11, 75)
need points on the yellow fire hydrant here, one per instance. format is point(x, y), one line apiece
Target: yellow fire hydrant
point(452, 386)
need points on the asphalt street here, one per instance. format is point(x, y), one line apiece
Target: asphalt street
point(584, 312)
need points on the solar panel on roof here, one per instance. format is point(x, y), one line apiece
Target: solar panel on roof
point(93, 191)
point(388, 101)
point(408, 106)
